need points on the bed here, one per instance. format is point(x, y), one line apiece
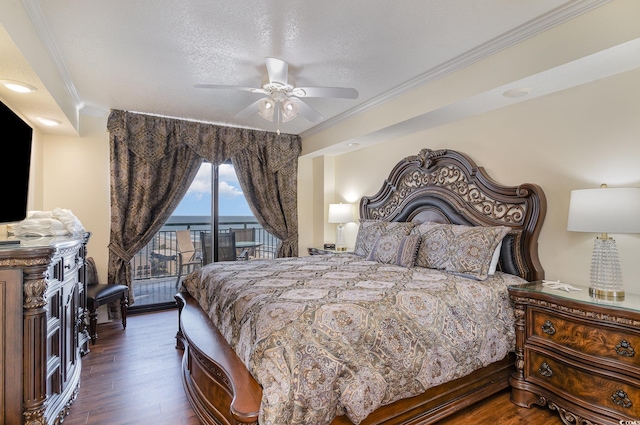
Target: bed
point(404, 330)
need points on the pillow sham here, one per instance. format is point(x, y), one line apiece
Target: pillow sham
point(396, 249)
point(464, 250)
point(370, 230)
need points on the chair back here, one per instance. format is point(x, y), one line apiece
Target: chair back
point(205, 242)
point(186, 250)
point(226, 246)
point(244, 235)
point(92, 271)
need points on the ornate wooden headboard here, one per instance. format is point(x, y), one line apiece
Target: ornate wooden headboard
point(447, 186)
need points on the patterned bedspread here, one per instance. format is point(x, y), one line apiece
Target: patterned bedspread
point(327, 335)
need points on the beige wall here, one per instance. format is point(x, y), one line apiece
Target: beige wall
point(75, 176)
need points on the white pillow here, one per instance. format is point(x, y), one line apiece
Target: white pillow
point(495, 259)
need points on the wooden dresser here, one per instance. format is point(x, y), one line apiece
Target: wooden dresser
point(42, 325)
point(577, 355)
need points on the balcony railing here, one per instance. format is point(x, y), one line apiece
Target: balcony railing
point(158, 258)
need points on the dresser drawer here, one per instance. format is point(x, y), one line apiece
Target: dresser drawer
point(64, 266)
point(601, 392)
point(620, 347)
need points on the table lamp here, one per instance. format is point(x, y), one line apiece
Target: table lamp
point(341, 214)
point(605, 210)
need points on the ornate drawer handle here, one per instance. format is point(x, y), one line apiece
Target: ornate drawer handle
point(620, 398)
point(548, 328)
point(545, 370)
point(625, 349)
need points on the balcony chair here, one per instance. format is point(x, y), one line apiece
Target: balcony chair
point(205, 243)
point(186, 256)
point(226, 247)
point(102, 294)
point(245, 235)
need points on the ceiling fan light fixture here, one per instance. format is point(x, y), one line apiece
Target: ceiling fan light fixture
point(266, 108)
point(290, 108)
point(282, 102)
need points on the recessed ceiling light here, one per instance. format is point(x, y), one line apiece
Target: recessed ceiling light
point(49, 121)
point(353, 144)
point(519, 92)
point(18, 86)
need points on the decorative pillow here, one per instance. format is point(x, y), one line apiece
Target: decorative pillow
point(371, 230)
point(422, 228)
point(465, 250)
point(395, 249)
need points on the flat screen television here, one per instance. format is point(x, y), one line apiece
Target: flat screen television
point(15, 140)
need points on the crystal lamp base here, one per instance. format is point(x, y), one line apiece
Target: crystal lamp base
point(606, 275)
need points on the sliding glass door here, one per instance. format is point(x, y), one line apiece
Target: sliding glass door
point(222, 227)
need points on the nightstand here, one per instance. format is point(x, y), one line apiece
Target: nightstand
point(577, 355)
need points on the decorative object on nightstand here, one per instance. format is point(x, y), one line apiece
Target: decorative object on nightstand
point(604, 211)
point(341, 214)
point(320, 251)
point(576, 355)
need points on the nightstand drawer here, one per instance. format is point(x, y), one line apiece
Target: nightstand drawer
point(566, 380)
point(603, 342)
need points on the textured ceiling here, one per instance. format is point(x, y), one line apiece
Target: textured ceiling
point(147, 55)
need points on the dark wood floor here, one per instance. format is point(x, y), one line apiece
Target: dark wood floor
point(133, 377)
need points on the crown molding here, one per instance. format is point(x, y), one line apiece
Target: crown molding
point(529, 29)
point(41, 26)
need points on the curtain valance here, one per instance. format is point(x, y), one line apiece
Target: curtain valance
point(153, 137)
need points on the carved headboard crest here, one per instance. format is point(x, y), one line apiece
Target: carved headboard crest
point(448, 184)
point(426, 155)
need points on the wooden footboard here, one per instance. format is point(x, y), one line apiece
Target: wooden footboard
point(218, 385)
point(222, 391)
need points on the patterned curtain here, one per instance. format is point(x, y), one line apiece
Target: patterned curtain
point(151, 171)
point(267, 175)
point(155, 159)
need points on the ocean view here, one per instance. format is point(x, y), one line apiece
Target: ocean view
point(203, 222)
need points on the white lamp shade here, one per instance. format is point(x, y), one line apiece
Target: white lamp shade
point(340, 213)
point(605, 210)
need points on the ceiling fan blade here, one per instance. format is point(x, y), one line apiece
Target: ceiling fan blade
point(278, 70)
point(335, 92)
point(308, 112)
point(249, 110)
point(214, 86)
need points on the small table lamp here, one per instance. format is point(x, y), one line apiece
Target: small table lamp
point(341, 214)
point(605, 210)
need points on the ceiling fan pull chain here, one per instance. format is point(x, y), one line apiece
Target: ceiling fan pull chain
point(278, 106)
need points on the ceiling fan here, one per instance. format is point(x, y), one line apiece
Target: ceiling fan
point(283, 98)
